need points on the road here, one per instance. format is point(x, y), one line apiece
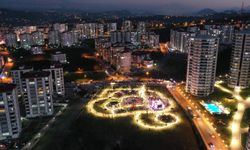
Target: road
point(205, 128)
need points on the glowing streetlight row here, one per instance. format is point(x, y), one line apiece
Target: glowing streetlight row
point(223, 88)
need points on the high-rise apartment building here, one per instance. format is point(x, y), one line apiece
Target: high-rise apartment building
point(54, 39)
point(37, 93)
point(11, 40)
point(240, 61)
point(202, 61)
point(70, 38)
point(16, 73)
point(26, 40)
point(38, 38)
point(127, 25)
point(56, 71)
point(10, 119)
point(111, 27)
point(179, 40)
point(124, 62)
point(141, 27)
point(60, 27)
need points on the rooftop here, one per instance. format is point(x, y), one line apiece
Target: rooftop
point(247, 31)
point(37, 65)
point(204, 37)
point(5, 87)
point(21, 67)
point(36, 74)
point(57, 52)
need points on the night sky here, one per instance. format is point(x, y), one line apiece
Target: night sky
point(150, 5)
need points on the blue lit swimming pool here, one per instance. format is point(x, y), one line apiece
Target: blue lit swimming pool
point(212, 108)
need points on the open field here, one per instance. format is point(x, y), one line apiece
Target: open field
point(85, 131)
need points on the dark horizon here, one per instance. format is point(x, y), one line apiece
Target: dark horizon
point(157, 6)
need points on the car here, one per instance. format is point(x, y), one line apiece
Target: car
point(211, 145)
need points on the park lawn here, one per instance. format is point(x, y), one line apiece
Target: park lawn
point(225, 98)
point(224, 129)
point(217, 95)
point(245, 93)
point(84, 131)
point(33, 126)
point(60, 126)
point(91, 133)
point(244, 139)
point(246, 119)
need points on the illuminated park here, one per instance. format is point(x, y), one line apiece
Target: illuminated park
point(149, 109)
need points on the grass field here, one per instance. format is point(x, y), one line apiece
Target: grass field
point(60, 128)
point(246, 119)
point(245, 93)
point(92, 133)
point(32, 126)
point(244, 139)
point(72, 131)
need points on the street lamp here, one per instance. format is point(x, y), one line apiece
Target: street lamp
point(237, 89)
point(112, 84)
